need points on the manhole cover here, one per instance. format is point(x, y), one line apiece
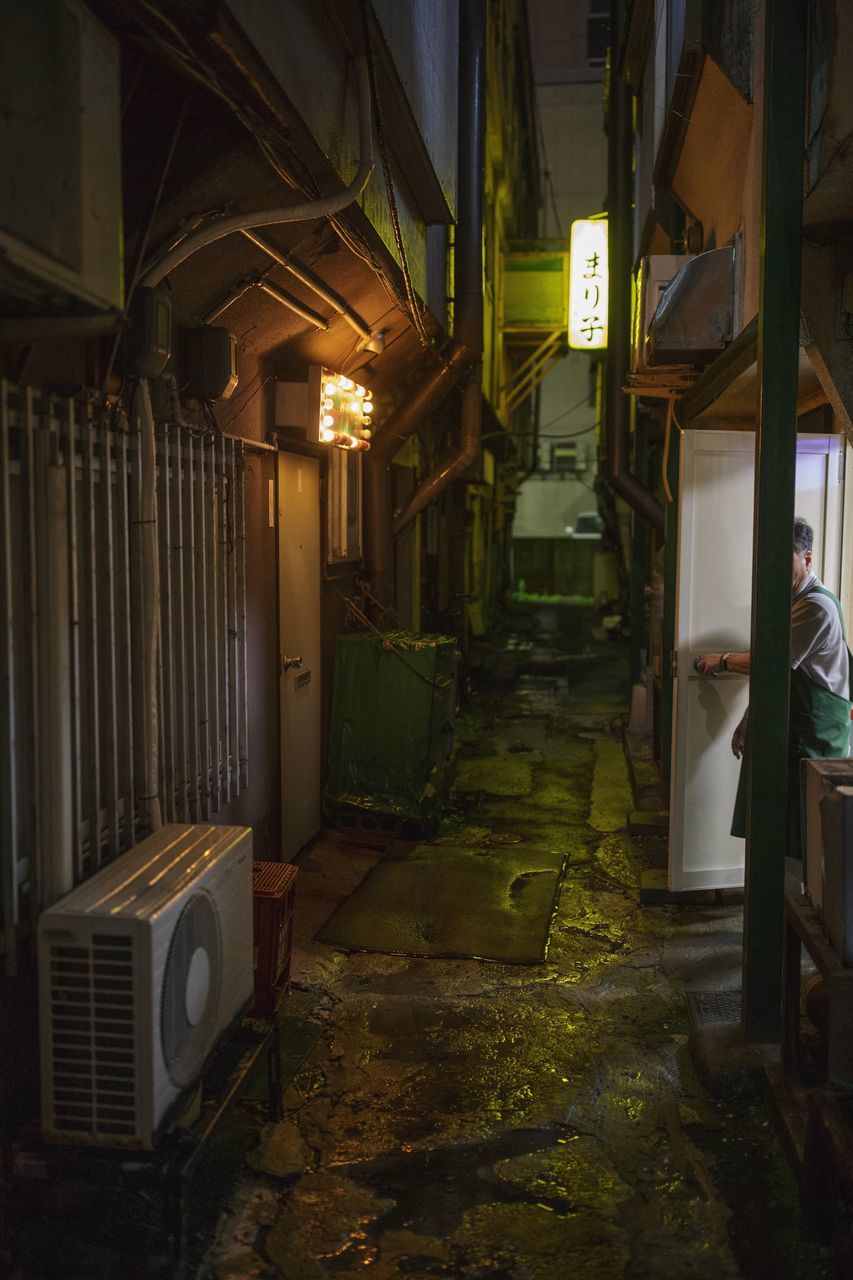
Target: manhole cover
point(713, 1006)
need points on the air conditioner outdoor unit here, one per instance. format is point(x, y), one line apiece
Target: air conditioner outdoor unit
point(142, 968)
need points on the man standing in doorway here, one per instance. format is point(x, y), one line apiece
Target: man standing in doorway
point(821, 677)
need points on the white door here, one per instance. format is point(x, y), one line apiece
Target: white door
point(299, 641)
point(713, 606)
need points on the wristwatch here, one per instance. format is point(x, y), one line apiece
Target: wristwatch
point(724, 661)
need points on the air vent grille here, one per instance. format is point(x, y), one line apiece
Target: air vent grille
point(92, 1037)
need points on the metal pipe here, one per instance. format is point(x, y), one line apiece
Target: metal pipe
point(261, 446)
point(201, 624)
point(321, 208)
point(243, 649)
point(73, 570)
point(469, 447)
point(619, 231)
point(110, 699)
point(90, 582)
point(192, 668)
point(8, 727)
point(125, 606)
point(775, 479)
point(182, 675)
point(224, 303)
point(167, 638)
point(212, 621)
point(467, 345)
point(287, 300)
point(150, 580)
point(302, 273)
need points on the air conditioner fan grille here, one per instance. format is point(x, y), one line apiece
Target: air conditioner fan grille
point(185, 1043)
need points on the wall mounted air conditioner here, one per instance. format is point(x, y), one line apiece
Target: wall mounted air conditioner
point(142, 968)
point(60, 156)
point(655, 274)
point(694, 319)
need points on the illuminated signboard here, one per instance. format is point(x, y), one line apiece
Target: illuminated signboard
point(344, 410)
point(588, 285)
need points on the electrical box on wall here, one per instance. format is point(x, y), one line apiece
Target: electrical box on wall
point(211, 362)
point(147, 345)
point(60, 156)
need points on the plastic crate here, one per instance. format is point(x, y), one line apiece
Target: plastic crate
point(274, 890)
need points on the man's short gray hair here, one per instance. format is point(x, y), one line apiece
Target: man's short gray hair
point(803, 535)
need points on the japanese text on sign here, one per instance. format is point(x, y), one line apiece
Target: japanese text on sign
point(588, 285)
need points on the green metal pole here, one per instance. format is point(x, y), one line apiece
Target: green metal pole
point(775, 477)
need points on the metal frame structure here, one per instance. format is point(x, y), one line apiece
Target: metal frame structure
point(72, 760)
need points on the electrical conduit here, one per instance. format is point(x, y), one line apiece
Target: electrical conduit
point(322, 208)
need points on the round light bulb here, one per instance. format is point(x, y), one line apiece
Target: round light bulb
point(366, 433)
point(367, 406)
point(360, 391)
point(328, 421)
point(328, 403)
point(326, 435)
point(330, 389)
point(367, 421)
point(355, 406)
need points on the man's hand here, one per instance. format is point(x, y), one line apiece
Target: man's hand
point(739, 740)
point(709, 665)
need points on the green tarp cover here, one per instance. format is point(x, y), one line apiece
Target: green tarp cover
point(392, 724)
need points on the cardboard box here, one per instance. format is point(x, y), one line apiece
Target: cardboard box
point(836, 811)
point(819, 778)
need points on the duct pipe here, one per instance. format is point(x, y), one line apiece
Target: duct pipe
point(150, 580)
point(322, 208)
point(619, 231)
point(312, 282)
point(469, 447)
point(466, 347)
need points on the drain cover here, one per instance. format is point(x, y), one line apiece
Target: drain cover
point(712, 1006)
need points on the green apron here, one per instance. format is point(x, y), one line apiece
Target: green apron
point(818, 728)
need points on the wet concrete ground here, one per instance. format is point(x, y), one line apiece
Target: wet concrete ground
point(457, 1118)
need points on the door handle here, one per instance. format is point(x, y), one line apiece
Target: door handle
point(287, 663)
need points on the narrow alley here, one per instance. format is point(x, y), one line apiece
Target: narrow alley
point(461, 1118)
point(426, 574)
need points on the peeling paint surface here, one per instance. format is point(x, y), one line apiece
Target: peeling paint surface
point(490, 1121)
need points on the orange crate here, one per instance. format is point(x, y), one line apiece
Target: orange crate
point(274, 894)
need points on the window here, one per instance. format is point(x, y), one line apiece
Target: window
point(597, 33)
point(343, 529)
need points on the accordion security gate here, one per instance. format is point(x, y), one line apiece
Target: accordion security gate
point(72, 749)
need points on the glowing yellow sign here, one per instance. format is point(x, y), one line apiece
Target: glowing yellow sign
point(588, 285)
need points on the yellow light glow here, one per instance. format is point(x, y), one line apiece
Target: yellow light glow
point(360, 391)
point(355, 406)
point(346, 383)
point(326, 435)
point(328, 420)
point(367, 407)
point(330, 389)
point(366, 433)
point(367, 421)
point(588, 275)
